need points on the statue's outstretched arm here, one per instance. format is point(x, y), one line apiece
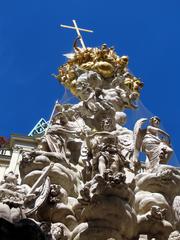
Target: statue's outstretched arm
point(153, 130)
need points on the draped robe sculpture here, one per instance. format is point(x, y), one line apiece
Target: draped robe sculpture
point(85, 172)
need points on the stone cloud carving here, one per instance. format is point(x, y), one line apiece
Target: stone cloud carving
point(84, 179)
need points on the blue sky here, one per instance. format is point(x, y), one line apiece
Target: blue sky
point(32, 44)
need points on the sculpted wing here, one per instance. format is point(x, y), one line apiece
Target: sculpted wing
point(138, 134)
point(176, 209)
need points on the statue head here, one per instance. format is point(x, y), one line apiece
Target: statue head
point(119, 178)
point(120, 118)
point(155, 121)
point(11, 177)
point(57, 194)
point(55, 190)
point(60, 118)
point(158, 212)
point(26, 157)
point(107, 124)
point(108, 175)
point(42, 144)
point(83, 88)
point(45, 227)
point(57, 231)
point(105, 120)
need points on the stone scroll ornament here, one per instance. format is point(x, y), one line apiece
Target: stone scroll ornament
point(84, 180)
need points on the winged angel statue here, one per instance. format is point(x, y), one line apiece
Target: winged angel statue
point(153, 141)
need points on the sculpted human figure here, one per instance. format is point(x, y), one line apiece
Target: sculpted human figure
point(14, 197)
point(39, 158)
point(56, 209)
point(107, 184)
point(57, 134)
point(60, 232)
point(64, 135)
point(157, 149)
point(104, 147)
point(84, 179)
point(96, 101)
point(53, 148)
point(157, 201)
point(99, 199)
point(65, 128)
point(125, 136)
point(83, 88)
point(154, 224)
point(54, 231)
point(115, 98)
point(153, 141)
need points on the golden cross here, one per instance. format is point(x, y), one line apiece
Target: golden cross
point(78, 32)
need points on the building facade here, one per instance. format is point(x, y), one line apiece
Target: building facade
point(11, 155)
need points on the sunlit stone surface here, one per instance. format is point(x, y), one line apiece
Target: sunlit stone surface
point(82, 179)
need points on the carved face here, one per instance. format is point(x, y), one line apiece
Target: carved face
point(11, 178)
point(63, 119)
point(60, 118)
point(57, 232)
point(45, 227)
point(26, 157)
point(107, 124)
point(157, 212)
point(42, 144)
point(155, 121)
point(83, 89)
point(55, 190)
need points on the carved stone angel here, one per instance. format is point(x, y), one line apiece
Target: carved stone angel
point(153, 141)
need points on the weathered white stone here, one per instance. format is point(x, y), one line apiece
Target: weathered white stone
point(83, 179)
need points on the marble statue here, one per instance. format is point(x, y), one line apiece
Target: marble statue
point(85, 178)
point(18, 201)
point(154, 142)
